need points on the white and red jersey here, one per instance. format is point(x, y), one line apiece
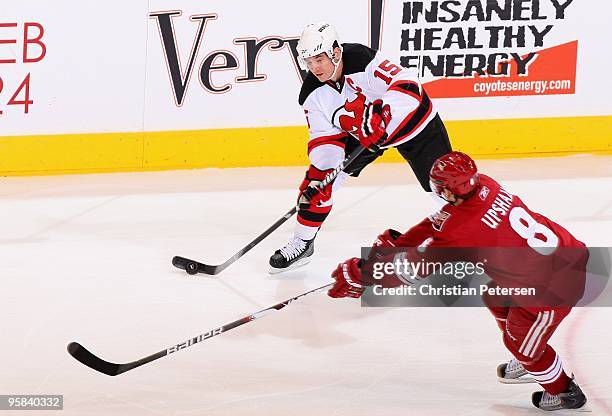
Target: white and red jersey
point(335, 109)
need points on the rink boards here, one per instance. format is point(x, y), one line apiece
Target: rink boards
point(281, 146)
point(216, 85)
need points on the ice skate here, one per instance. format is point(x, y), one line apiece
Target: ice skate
point(294, 254)
point(513, 372)
point(573, 398)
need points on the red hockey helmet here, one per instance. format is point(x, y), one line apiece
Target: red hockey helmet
point(456, 172)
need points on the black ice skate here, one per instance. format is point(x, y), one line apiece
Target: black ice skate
point(513, 372)
point(573, 398)
point(296, 253)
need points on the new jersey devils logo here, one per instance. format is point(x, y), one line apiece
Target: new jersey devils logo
point(350, 116)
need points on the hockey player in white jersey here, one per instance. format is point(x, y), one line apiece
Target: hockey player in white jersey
point(351, 95)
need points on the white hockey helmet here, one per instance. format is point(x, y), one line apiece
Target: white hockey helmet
point(317, 38)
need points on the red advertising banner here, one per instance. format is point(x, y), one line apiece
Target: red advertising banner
point(553, 72)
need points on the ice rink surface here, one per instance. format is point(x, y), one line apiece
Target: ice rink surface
point(87, 258)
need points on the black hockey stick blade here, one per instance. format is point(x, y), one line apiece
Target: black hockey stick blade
point(84, 356)
point(193, 267)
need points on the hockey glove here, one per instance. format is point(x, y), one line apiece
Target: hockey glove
point(385, 249)
point(348, 280)
point(376, 118)
point(387, 239)
point(309, 194)
point(354, 275)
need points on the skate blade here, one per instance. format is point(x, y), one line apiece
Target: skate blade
point(297, 264)
point(520, 380)
point(569, 412)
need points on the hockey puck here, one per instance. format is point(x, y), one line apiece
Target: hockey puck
point(191, 268)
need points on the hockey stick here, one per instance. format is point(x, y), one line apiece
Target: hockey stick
point(193, 267)
point(84, 356)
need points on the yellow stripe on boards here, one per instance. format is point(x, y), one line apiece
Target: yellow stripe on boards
point(280, 146)
point(226, 148)
point(70, 153)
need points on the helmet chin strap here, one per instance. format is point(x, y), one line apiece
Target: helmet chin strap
point(450, 202)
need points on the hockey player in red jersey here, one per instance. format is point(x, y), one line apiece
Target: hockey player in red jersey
point(344, 82)
point(482, 214)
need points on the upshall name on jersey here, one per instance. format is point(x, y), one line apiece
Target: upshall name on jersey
point(499, 209)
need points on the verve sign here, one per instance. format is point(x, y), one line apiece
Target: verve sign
point(216, 60)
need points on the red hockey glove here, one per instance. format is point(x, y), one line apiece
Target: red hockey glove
point(351, 280)
point(384, 249)
point(387, 238)
point(309, 195)
point(376, 117)
point(348, 279)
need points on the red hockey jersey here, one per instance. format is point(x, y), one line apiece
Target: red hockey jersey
point(518, 247)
